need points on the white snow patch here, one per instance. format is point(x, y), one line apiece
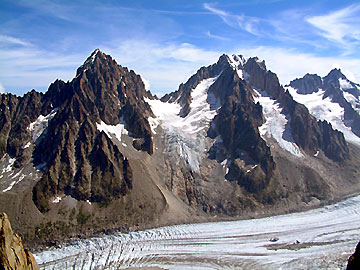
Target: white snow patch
point(345, 84)
point(27, 145)
point(40, 124)
point(316, 154)
point(226, 164)
point(355, 102)
point(15, 181)
point(275, 125)
point(237, 63)
point(154, 122)
point(92, 59)
point(185, 135)
point(8, 168)
point(88, 202)
point(124, 144)
point(57, 199)
point(17, 174)
point(10, 186)
point(324, 109)
point(116, 130)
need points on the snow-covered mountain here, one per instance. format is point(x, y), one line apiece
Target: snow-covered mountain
point(101, 153)
point(332, 98)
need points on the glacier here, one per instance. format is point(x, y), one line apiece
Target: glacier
point(185, 135)
point(321, 238)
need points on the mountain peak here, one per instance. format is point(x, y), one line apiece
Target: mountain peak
point(94, 57)
point(96, 54)
point(236, 61)
point(335, 74)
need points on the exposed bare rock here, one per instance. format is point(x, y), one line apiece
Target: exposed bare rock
point(13, 256)
point(81, 161)
point(308, 84)
point(354, 259)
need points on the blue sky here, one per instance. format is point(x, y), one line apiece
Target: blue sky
point(167, 41)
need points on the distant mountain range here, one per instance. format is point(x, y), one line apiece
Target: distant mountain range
point(100, 153)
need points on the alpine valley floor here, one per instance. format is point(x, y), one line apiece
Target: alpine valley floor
point(321, 238)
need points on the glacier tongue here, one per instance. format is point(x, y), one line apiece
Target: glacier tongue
point(185, 135)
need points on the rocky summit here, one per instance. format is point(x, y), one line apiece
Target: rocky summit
point(99, 153)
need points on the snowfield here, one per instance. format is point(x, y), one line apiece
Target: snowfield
point(354, 100)
point(322, 238)
point(275, 125)
point(116, 130)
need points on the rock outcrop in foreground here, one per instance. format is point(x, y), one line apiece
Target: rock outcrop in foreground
point(12, 253)
point(354, 260)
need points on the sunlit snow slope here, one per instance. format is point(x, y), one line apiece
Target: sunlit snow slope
point(276, 123)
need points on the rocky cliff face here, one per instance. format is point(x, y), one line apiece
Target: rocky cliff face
point(13, 256)
point(77, 158)
point(237, 123)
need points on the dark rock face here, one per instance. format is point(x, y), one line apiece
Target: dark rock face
point(354, 259)
point(307, 85)
point(81, 161)
point(308, 133)
point(237, 123)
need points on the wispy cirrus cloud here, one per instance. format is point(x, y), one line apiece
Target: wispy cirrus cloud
point(211, 35)
point(295, 27)
point(246, 23)
point(274, 28)
point(341, 26)
point(8, 40)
